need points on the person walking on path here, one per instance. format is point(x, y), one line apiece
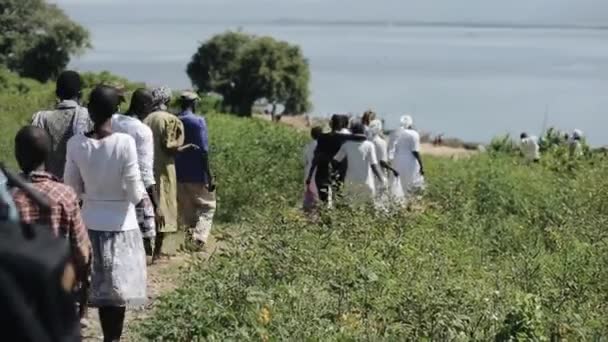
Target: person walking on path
point(575, 144)
point(168, 133)
point(394, 190)
point(102, 167)
point(32, 146)
point(131, 123)
point(359, 184)
point(67, 120)
point(312, 193)
point(328, 173)
point(404, 151)
point(530, 147)
point(195, 188)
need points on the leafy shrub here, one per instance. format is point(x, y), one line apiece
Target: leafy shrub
point(244, 68)
point(497, 250)
point(503, 144)
point(38, 39)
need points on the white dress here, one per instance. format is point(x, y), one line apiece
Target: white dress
point(530, 148)
point(403, 143)
point(359, 181)
point(394, 192)
point(106, 175)
point(144, 143)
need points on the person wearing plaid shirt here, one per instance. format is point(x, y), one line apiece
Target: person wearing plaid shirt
point(32, 145)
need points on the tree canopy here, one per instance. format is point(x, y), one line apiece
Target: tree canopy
point(37, 38)
point(244, 68)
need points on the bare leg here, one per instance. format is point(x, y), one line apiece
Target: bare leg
point(148, 246)
point(158, 246)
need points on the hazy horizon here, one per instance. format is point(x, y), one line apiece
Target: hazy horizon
point(469, 82)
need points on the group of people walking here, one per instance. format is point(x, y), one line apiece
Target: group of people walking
point(113, 181)
point(355, 162)
point(531, 151)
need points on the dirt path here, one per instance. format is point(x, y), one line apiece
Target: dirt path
point(163, 277)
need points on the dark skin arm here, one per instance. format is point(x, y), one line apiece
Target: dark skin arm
point(176, 150)
point(417, 156)
point(387, 167)
point(153, 194)
point(210, 184)
point(377, 173)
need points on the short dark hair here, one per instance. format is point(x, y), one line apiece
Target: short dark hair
point(69, 85)
point(524, 135)
point(103, 103)
point(32, 148)
point(142, 102)
point(358, 128)
point(316, 132)
point(185, 103)
point(338, 122)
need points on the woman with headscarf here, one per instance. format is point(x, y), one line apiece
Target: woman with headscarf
point(102, 168)
point(168, 134)
point(381, 146)
point(575, 144)
point(404, 151)
point(366, 120)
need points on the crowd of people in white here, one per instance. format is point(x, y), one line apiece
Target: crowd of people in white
point(358, 163)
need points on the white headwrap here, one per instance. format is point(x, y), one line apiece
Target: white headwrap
point(577, 134)
point(407, 121)
point(375, 127)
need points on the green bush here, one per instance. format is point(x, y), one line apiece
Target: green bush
point(497, 250)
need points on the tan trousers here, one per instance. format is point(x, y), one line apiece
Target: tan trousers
point(196, 207)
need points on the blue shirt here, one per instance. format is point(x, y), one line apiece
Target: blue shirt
point(190, 164)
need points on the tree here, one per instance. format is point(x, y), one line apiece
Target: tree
point(245, 68)
point(37, 39)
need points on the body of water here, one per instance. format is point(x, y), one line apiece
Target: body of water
point(468, 81)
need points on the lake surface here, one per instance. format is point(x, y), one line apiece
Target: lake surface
point(472, 82)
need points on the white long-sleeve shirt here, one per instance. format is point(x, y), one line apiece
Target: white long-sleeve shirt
point(105, 173)
point(144, 143)
point(530, 148)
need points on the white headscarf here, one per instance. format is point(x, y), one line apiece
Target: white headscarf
point(407, 121)
point(375, 128)
point(577, 134)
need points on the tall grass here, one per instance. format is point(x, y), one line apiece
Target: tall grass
point(498, 249)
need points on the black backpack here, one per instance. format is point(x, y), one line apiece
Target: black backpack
point(34, 306)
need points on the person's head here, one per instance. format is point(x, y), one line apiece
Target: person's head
point(375, 127)
point(142, 103)
point(358, 128)
point(407, 121)
point(368, 117)
point(162, 97)
point(316, 132)
point(69, 86)
point(524, 135)
point(334, 123)
point(103, 103)
point(339, 122)
point(32, 147)
point(577, 135)
point(188, 101)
